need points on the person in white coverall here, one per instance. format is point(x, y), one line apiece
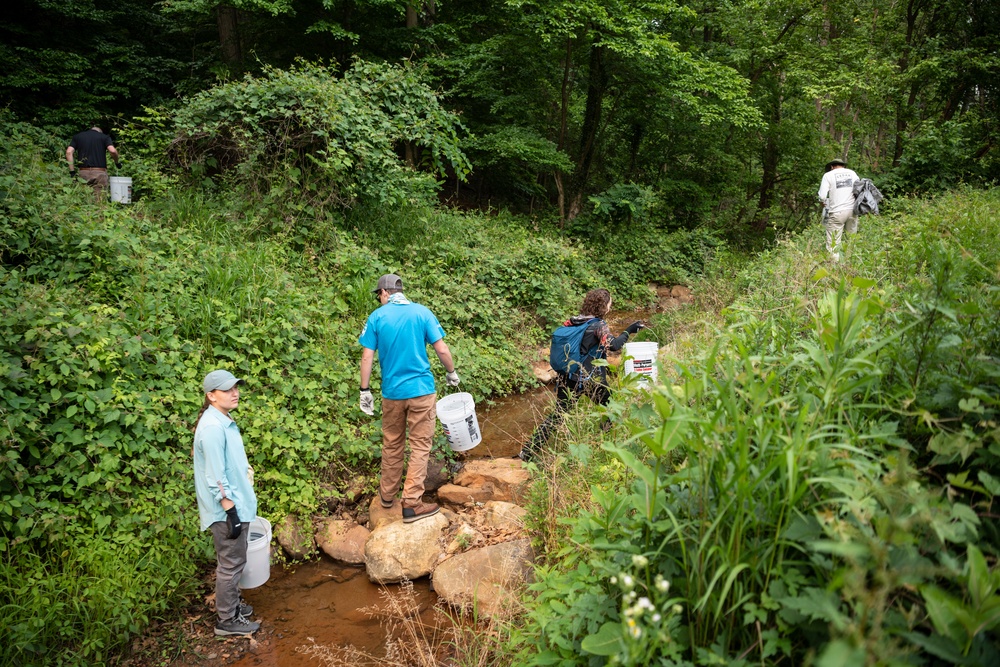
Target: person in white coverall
point(836, 191)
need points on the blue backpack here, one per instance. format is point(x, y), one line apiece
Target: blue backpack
point(565, 356)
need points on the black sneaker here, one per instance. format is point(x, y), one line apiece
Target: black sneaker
point(419, 511)
point(246, 611)
point(386, 504)
point(237, 626)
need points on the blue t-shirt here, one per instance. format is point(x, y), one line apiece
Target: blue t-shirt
point(400, 333)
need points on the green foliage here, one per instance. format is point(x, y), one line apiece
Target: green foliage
point(535, 273)
point(785, 500)
point(74, 604)
point(641, 254)
point(111, 315)
point(104, 62)
point(624, 203)
point(514, 156)
point(303, 132)
point(143, 142)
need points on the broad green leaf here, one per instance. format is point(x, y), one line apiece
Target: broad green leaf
point(606, 641)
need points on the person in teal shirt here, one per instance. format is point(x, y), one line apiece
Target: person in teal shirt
point(223, 482)
point(400, 332)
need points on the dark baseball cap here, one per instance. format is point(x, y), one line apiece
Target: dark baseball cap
point(389, 281)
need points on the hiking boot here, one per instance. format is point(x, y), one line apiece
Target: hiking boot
point(419, 511)
point(237, 626)
point(245, 610)
point(386, 504)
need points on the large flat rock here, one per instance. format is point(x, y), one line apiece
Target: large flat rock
point(405, 551)
point(507, 477)
point(461, 495)
point(343, 540)
point(489, 578)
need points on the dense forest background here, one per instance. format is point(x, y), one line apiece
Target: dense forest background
point(682, 110)
point(815, 482)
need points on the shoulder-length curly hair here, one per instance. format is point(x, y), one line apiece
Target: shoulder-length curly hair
point(597, 303)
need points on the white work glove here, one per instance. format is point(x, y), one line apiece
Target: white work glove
point(451, 378)
point(250, 474)
point(367, 402)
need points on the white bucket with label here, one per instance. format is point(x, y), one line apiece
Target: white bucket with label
point(457, 413)
point(643, 361)
point(258, 567)
point(121, 189)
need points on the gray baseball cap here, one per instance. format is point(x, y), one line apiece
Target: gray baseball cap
point(220, 379)
point(389, 281)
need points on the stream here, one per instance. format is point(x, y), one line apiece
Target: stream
point(325, 613)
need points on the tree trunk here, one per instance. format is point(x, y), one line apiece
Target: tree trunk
point(411, 16)
point(597, 83)
point(563, 116)
point(564, 101)
point(912, 12)
point(770, 156)
point(227, 21)
point(562, 200)
point(638, 132)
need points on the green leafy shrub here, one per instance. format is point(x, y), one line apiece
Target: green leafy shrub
point(73, 604)
point(305, 133)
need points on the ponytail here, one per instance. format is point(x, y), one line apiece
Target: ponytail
point(204, 406)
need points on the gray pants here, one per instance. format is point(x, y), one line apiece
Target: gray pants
point(231, 556)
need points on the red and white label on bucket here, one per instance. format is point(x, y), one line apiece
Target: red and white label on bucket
point(644, 366)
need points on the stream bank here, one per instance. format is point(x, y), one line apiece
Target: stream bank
point(322, 612)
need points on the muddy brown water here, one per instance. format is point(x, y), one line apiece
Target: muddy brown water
point(322, 613)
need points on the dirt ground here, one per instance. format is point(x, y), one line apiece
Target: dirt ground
point(190, 640)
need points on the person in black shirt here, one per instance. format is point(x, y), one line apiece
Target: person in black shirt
point(88, 149)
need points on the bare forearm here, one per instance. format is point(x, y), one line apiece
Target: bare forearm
point(367, 357)
point(444, 354)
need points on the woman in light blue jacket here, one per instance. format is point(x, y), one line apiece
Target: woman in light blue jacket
point(223, 481)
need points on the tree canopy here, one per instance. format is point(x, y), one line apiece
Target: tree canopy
point(729, 110)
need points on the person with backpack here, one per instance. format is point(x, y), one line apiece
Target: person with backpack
point(836, 192)
point(576, 345)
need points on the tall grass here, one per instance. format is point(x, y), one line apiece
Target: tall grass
point(79, 603)
point(784, 501)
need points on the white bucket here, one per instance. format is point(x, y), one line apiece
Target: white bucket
point(121, 189)
point(457, 413)
point(643, 361)
point(258, 567)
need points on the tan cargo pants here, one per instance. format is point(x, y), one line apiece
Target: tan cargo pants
point(417, 416)
point(837, 224)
